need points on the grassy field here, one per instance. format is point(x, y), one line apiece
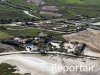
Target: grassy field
point(4, 35)
point(12, 13)
point(28, 32)
point(13, 9)
point(85, 2)
point(24, 4)
point(69, 8)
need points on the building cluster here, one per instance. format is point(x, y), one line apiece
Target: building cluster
point(45, 43)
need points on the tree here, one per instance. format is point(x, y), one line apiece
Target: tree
point(6, 69)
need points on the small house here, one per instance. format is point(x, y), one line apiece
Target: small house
point(17, 39)
point(37, 39)
point(55, 44)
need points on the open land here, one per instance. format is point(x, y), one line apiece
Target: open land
point(42, 65)
point(90, 37)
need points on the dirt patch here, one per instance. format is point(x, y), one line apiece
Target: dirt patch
point(50, 13)
point(90, 37)
point(37, 2)
point(6, 48)
point(50, 8)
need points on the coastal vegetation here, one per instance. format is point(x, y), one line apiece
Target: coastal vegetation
point(6, 69)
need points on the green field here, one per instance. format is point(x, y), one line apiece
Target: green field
point(86, 2)
point(13, 9)
point(4, 36)
point(28, 32)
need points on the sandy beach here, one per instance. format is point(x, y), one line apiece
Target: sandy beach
point(43, 65)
